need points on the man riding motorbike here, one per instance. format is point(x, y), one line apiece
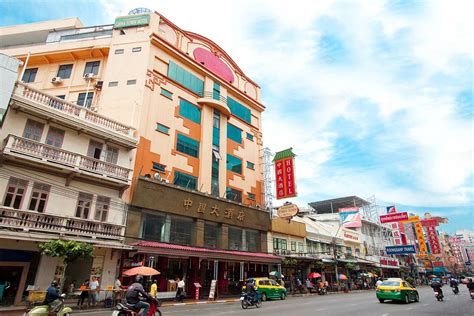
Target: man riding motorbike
point(134, 292)
point(250, 287)
point(436, 285)
point(52, 298)
point(454, 284)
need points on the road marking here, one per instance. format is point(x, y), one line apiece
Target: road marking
point(426, 304)
point(385, 314)
point(409, 309)
point(320, 309)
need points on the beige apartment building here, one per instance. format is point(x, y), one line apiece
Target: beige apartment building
point(160, 122)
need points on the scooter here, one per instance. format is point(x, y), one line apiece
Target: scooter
point(322, 291)
point(43, 310)
point(471, 292)
point(455, 290)
point(439, 296)
point(247, 300)
point(125, 309)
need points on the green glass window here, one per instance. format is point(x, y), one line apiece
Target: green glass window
point(239, 110)
point(184, 180)
point(233, 195)
point(162, 128)
point(158, 166)
point(251, 196)
point(234, 133)
point(185, 78)
point(216, 91)
point(166, 93)
point(249, 136)
point(187, 146)
point(250, 165)
point(216, 128)
point(234, 164)
point(293, 246)
point(189, 111)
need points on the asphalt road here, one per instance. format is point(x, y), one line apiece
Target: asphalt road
point(340, 304)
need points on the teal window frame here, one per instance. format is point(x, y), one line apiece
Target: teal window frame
point(234, 164)
point(162, 128)
point(216, 91)
point(293, 246)
point(185, 78)
point(158, 166)
point(250, 165)
point(234, 133)
point(166, 93)
point(251, 196)
point(187, 145)
point(189, 111)
point(185, 180)
point(239, 110)
point(249, 136)
point(230, 192)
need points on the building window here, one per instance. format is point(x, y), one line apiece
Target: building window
point(233, 195)
point(119, 51)
point(357, 252)
point(349, 250)
point(249, 136)
point(39, 197)
point(216, 128)
point(95, 149)
point(154, 227)
point(136, 49)
point(158, 167)
point(92, 67)
point(252, 240)
point(210, 235)
point(250, 165)
point(189, 111)
point(131, 82)
point(181, 230)
point(113, 83)
point(234, 164)
point(309, 248)
point(84, 203)
point(293, 246)
point(234, 133)
point(216, 91)
point(29, 75)
point(81, 99)
point(55, 137)
point(166, 93)
point(184, 180)
point(162, 128)
point(61, 96)
point(102, 208)
point(187, 146)
point(215, 175)
point(64, 71)
point(15, 192)
point(111, 154)
point(185, 78)
point(251, 196)
point(279, 243)
point(33, 130)
point(300, 247)
point(235, 238)
point(239, 110)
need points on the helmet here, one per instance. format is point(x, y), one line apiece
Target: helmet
point(139, 279)
point(54, 283)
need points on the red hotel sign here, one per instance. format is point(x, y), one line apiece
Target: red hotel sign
point(393, 217)
point(389, 262)
point(285, 178)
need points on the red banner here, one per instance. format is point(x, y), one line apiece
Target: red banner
point(285, 178)
point(438, 264)
point(433, 239)
point(429, 222)
point(393, 217)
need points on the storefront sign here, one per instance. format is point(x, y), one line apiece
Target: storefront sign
point(389, 262)
point(433, 239)
point(284, 174)
point(429, 222)
point(350, 217)
point(351, 236)
point(212, 291)
point(438, 264)
point(421, 238)
point(393, 217)
point(400, 250)
point(131, 21)
point(213, 210)
point(412, 219)
point(397, 237)
point(288, 210)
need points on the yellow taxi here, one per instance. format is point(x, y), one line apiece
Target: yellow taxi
point(268, 288)
point(397, 289)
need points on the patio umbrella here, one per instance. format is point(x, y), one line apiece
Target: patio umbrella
point(276, 274)
point(146, 271)
point(342, 277)
point(314, 275)
point(432, 276)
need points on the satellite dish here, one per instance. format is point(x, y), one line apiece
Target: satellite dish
point(157, 176)
point(139, 11)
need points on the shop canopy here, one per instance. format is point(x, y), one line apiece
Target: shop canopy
point(160, 248)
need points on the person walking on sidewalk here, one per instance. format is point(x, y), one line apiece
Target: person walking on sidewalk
point(84, 293)
point(180, 290)
point(93, 293)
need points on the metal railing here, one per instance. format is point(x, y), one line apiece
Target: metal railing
point(211, 95)
point(63, 157)
point(23, 90)
point(32, 221)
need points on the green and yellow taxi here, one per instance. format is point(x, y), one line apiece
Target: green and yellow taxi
point(397, 290)
point(268, 288)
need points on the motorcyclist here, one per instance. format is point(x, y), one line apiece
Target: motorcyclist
point(134, 292)
point(52, 298)
point(436, 285)
point(470, 285)
point(250, 287)
point(454, 284)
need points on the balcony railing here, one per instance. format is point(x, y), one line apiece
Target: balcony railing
point(31, 221)
point(216, 101)
point(63, 157)
point(211, 95)
point(69, 108)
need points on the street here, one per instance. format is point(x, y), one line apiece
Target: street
point(352, 304)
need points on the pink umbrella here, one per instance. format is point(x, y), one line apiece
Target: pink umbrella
point(314, 275)
point(142, 271)
point(342, 277)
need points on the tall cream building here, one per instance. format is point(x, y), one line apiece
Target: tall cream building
point(155, 126)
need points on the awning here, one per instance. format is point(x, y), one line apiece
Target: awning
point(347, 260)
point(328, 261)
point(365, 261)
point(161, 248)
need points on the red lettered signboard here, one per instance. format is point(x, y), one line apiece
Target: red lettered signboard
point(393, 217)
point(285, 178)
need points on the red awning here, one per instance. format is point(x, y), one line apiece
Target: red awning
point(172, 249)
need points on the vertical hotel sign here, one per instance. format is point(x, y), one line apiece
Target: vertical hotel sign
point(285, 174)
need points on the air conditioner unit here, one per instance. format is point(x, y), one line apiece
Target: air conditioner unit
point(99, 85)
point(157, 176)
point(56, 80)
point(165, 180)
point(89, 76)
point(94, 109)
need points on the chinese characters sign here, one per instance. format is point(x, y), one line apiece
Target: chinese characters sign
point(285, 174)
point(421, 238)
point(432, 235)
point(397, 237)
point(213, 210)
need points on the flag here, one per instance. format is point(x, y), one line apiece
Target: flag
point(350, 217)
point(391, 209)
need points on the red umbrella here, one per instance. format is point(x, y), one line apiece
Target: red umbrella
point(314, 275)
point(142, 271)
point(342, 277)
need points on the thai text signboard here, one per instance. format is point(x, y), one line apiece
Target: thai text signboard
point(393, 217)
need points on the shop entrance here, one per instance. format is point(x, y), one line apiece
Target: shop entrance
point(12, 282)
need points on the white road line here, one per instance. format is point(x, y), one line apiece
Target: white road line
point(385, 314)
point(409, 309)
point(426, 304)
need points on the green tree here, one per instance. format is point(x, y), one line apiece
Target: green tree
point(66, 250)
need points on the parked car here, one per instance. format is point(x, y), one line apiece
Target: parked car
point(267, 289)
point(397, 290)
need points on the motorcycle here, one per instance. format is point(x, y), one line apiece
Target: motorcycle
point(471, 292)
point(247, 299)
point(439, 296)
point(455, 290)
point(126, 309)
point(322, 291)
point(43, 310)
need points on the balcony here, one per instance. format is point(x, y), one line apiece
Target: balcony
point(74, 165)
point(34, 222)
point(78, 118)
point(217, 102)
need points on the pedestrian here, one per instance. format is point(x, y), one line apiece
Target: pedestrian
point(117, 291)
point(94, 290)
point(84, 293)
point(379, 282)
point(180, 290)
point(71, 287)
point(154, 288)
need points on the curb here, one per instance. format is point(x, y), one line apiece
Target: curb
point(233, 300)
